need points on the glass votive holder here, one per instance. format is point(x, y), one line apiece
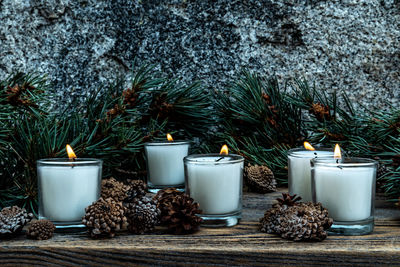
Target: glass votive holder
point(66, 187)
point(299, 170)
point(165, 164)
point(215, 182)
point(347, 189)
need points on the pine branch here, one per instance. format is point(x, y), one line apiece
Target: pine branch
point(259, 122)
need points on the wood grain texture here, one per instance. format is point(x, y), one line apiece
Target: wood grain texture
point(237, 246)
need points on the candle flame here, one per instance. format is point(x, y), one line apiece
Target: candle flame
point(308, 146)
point(70, 152)
point(337, 154)
point(169, 137)
point(224, 150)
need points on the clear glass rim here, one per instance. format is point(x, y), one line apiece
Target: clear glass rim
point(294, 152)
point(168, 143)
point(344, 163)
point(67, 162)
point(233, 158)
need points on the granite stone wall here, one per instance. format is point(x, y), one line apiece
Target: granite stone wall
point(352, 45)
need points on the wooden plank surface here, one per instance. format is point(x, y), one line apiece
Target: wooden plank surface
point(237, 246)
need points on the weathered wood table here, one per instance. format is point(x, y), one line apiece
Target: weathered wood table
point(239, 245)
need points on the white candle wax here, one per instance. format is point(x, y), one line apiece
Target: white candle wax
point(345, 192)
point(217, 187)
point(165, 163)
point(66, 191)
point(300, 171)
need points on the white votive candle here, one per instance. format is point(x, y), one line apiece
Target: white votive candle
point(346, 188)
point(300, 170)
point(215, 182)
point(165, 163)
point(67, 187)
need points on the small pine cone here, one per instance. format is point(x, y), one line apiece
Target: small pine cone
point(137, 189)
point(130, 97)
point(296, 221)
point(260, 179)
point(382, 170)
point(142, 214)
point(41, 230)
point(12, 220)
point(320, 111)
point(111, 188)
point(179, 215)
point(104, 217)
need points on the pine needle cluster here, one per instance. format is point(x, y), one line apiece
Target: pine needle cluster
point(258, 117)
point(262, 121)
point(112, 124)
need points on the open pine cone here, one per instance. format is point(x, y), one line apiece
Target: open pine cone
point(104, 217)
point(296, 221)
point(41, 230)
point(179, 214)
point(142, 214)
point(260, 179)
point(111, 188)
point(12, 220)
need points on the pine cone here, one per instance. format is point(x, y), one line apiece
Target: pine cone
point(260, 178)
point(130, 97)
point(16, 95)
point(104, 217)
point(41, 230)
point(137, 189)
point(296, 221)
point(165, 196)
point(12, 220)
point(142, 214)
point(382, 170)
point(320, 111)
point(114, 112)
point(179, 215)
point(380, 180)
point(111, 188)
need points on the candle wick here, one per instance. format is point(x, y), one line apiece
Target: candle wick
point(337, 162)
point(316, 155)
point(219, 159)
point(72, 160)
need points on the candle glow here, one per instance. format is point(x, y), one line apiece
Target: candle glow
point(337, 154)
point(70, 152)
point(308, 146)
point(224, 150)
point(169, 137)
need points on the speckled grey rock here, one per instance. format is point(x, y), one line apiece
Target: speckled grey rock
point(351, 45)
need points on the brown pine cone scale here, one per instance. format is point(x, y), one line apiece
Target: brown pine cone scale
point(137, 189)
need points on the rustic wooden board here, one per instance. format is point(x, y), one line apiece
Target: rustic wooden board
point(239, 245)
